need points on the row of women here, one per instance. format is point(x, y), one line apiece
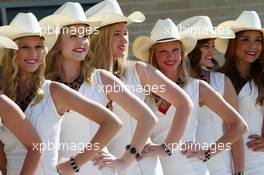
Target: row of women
point(71, 101)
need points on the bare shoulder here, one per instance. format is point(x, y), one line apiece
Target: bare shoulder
point(228, 83)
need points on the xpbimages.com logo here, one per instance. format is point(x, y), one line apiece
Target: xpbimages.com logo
point(146, 89)
point(80, 147)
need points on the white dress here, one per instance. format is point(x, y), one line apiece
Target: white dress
point(177, 164)
point(44, 118)
point(210, 129)
point(147, 166)
point(253, 115)
point(77, 131)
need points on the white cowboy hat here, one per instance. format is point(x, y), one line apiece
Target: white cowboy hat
point(201, 27)
point(163, 31)
point(68, 14)
point(26, 24)
point(248, 20)
point(6, 43)
point(109, 12)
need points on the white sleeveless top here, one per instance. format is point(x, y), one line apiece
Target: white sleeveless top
point(47, 122)
point(210, 129)
point(77, 131)
point(177, 163)
point(149, 165)
point(253, 115)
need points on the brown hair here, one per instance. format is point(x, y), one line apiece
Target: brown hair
point(256, 71)
point(195, 57)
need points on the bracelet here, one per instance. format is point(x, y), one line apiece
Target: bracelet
point(166, 149)
point(238, 173)
point(133, 150)
point(207, 154)
point(74, 165)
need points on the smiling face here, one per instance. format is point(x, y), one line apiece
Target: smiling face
point(29, 54)
point(119, 40)
point(249, 46)
point(207, 54)
point(74, 44)
point(168, 55)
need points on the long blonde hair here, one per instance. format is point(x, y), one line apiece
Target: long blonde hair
point(183, 69)
point(54, 60)
point(101, 47)
point(10, 79)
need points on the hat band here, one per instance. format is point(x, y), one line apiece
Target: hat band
point(164, 39)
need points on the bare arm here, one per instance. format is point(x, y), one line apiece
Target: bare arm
point(135, 107)
point(173, 94)
point(237, 147)
point(2, 159)
point(236, 126)
point(12, 117)
point(109, 123)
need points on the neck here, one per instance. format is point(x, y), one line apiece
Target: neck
point(243, 68)
point(172, 75)
point(24, 83)
point(70, 70)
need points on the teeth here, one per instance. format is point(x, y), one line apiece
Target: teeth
point(79, 50)
point(31, 61)
point(251, 53)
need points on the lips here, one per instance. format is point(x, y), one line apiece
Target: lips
point(122, 48)
point(78, 50)
point(31, 61)
point(251, 53)
point(169, 63)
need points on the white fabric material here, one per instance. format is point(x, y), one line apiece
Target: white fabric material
point(44, 118)
point(147, 166)
point(253, 115)
point(77, 131)
point(210, 129)
point(177, 163)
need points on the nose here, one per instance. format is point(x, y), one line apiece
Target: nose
point(32, 52)
point(124, 39)
point(211, 51)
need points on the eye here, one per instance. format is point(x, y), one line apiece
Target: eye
point(176, 50)
point(24, 47)
point(116, 34)
point(73, 36)
point(86, 36)
point(259, 40)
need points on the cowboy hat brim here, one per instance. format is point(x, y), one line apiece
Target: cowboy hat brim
point(62, 21)
point(6, 43)
point(235, 26)
point(142, 44)
point(15, 33)
point(112, 18)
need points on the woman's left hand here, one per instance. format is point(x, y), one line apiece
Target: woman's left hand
point(256, 143)
point(191, 149)
point(64, 167)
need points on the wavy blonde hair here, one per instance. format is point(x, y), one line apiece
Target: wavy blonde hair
point(54, 60)
point(101, 47)
point(184, 67)
point(10, 79)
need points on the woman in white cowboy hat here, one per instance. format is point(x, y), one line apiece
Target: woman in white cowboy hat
point(11, 117)
point(203, 65)
point(109, 47)
point(244, 65)
point(43, 101)
point(68, 62)
point(166, 49)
